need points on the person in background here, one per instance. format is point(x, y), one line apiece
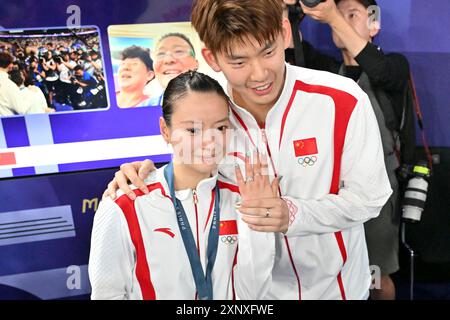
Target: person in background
point(135, 72)
point(173, 55)
point(31, 95)
point(11, 100)
point(354, 25)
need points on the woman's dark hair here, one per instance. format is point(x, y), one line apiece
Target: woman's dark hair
point(182, 85)
point(140, 53)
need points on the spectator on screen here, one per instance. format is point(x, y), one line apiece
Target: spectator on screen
point(135, 72)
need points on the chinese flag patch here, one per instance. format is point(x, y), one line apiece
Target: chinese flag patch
point(305, 147)
point(228, 227)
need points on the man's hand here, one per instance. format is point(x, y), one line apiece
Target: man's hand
point(266, 215)
point(134, 173)
point(262, 208)
point(325, 12)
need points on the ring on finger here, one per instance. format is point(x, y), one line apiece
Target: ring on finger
point(267, 212)
point(250, 179)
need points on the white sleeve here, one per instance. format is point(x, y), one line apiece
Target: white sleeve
point(17, 101)
point(365, 186)
point(255, 260)
point(111, 261)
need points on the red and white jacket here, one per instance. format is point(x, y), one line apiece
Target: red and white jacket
point(137, 251)
point(323, 139)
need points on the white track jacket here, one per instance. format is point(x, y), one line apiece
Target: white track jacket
point(323, 139)
point(137, 251)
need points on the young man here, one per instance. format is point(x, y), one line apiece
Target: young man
point(321, 136)
point(383, 77)
point(83, 83)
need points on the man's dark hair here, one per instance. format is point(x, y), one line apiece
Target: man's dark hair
point(93, 53)
point(78, 67)
point(140, 53)
point(221, 24)
point(17, 77)
point(365, 3)
point(5, 59)
point(57, 59)
point(181, 36)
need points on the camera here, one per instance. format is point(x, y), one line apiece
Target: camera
point(311, 3)
point(72, 79)
point(416, 191)
point(295, 10)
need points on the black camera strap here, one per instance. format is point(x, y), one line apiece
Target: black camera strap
point(295, 17)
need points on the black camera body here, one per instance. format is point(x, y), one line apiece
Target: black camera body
point(295, 10)
point(311, 3)
point(295, 56)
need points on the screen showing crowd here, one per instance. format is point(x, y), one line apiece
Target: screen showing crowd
point(51, 70)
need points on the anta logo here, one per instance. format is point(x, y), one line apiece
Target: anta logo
point(166, 231)
point(306, 152)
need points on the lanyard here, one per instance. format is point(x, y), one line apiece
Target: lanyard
point(203, 281)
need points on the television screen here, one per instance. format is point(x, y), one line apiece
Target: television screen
point(84, 87)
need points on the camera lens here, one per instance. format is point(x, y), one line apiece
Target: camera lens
point(416, 194)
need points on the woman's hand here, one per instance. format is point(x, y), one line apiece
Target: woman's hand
point(262, 208)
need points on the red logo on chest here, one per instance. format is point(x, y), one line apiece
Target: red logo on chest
point(228, 227)
point(166, 231)
point(305, 147)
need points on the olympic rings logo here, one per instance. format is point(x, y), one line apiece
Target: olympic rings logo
point(307, 161)
point(228, 239)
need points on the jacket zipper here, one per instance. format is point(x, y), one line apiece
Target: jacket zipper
point(195, 198)
point(263, 133)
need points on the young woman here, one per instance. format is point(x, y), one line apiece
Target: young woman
point(180, 240)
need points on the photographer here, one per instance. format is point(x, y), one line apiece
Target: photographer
point(99, 93)
point(67, 61)
point(384, 78)
point(64, 84)
point(51, 76)
point(83, 82)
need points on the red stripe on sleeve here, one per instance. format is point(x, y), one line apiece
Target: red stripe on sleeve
point(142, 266)
point(211, 205)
